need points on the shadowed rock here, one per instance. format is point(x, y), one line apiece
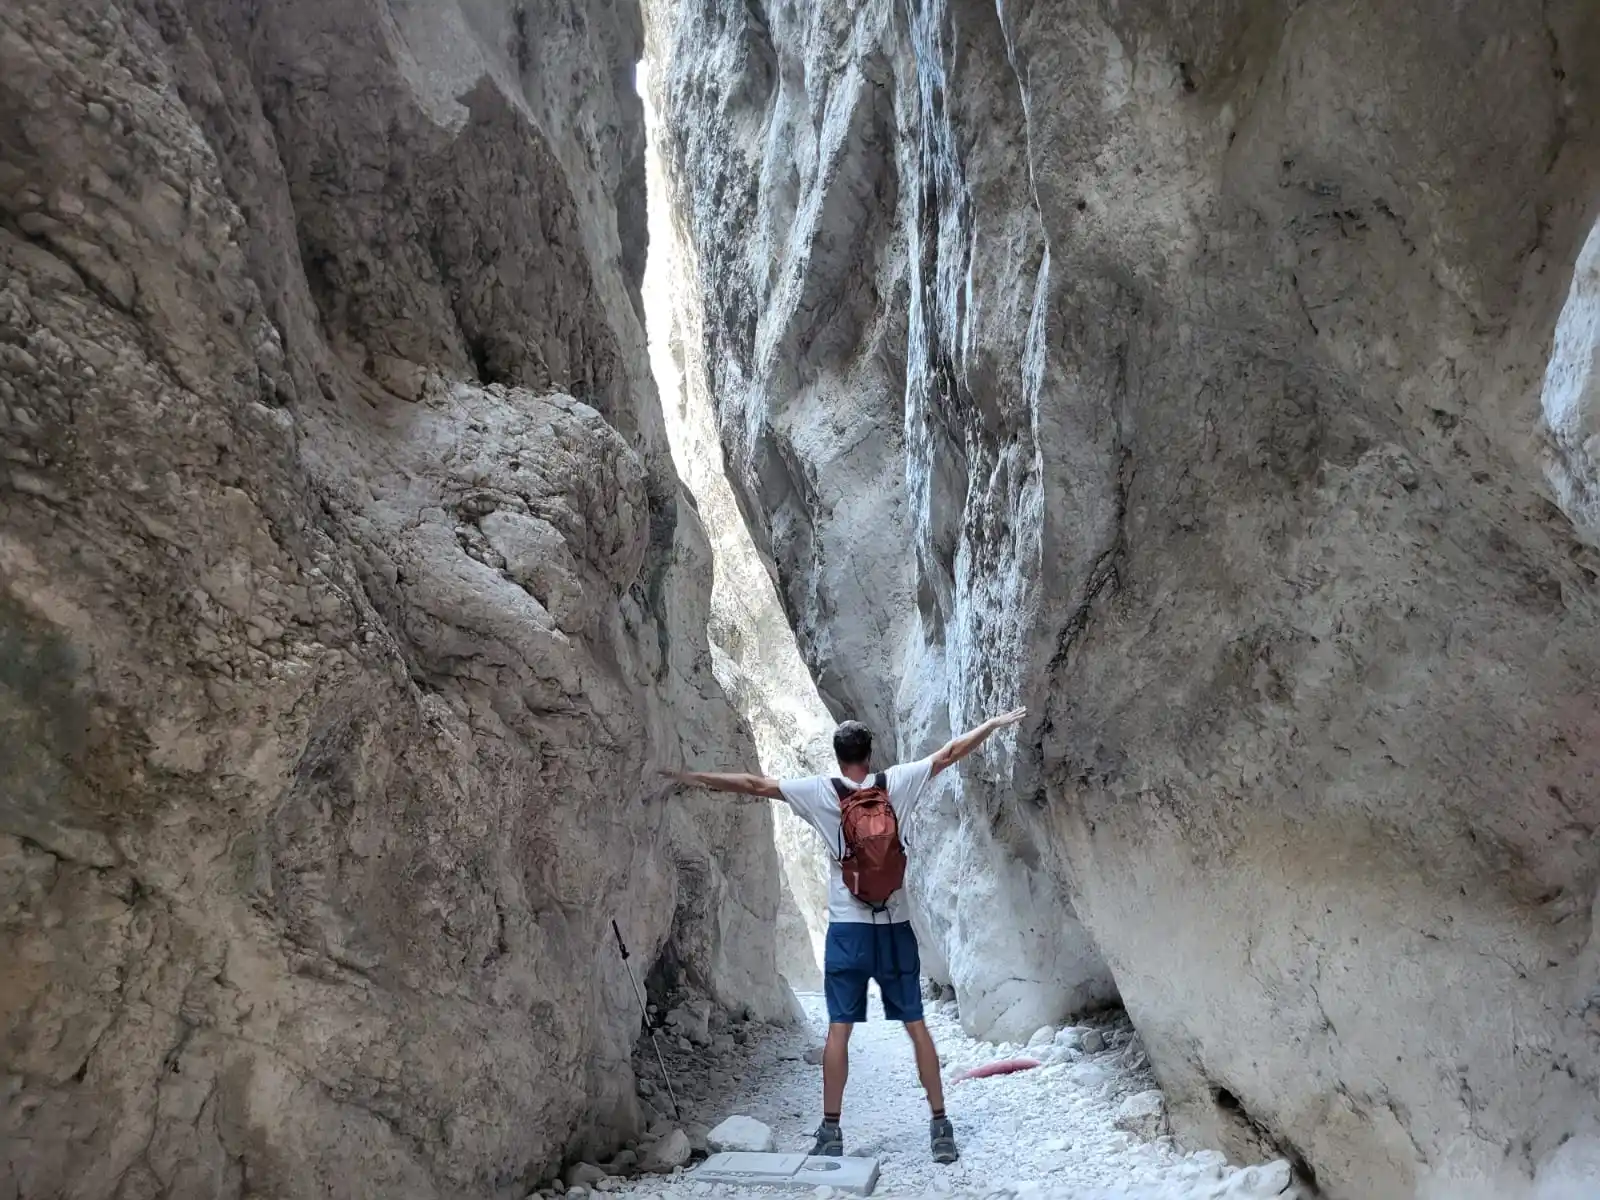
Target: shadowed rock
point(347, 604)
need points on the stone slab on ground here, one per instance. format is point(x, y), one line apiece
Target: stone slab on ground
point(801, 1172)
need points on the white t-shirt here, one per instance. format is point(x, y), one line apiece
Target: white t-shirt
point(815, 802)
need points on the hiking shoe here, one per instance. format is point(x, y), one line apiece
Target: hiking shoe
point(944, 1140)
point(830, 1141)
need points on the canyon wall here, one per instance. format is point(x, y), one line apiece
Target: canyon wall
point(1214, 379)
point(752, 647)
point(348, 602)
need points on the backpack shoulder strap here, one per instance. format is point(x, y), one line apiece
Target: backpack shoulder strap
point(881, 781)
point(842, 788)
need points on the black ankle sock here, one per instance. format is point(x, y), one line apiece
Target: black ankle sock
point(830, 1118)
point(938, 1114)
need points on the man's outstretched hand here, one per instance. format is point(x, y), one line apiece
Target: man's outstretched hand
point(748, 785)
point(956, 749)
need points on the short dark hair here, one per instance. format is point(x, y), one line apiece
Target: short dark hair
point(852, 743)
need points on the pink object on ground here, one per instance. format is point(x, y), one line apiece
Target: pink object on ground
point(1005, 1066)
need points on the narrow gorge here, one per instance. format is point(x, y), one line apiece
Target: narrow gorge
point(1220, 380)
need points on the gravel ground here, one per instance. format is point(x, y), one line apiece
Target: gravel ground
point(1048, 1132)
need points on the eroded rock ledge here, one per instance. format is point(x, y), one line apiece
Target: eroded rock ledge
point(1176, 369)
point(347, 601)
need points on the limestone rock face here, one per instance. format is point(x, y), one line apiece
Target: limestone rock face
point(348, 601)
point(1189, 373)
point(796, 231)
point(753, 649)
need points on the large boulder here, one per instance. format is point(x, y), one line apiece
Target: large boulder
point(1180, 371)
point(348, 602)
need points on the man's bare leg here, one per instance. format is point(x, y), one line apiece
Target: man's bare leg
point(835, 1069)
point(927, 1065)
point(942, 1134)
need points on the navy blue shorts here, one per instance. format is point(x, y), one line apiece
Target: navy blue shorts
point(856, 952)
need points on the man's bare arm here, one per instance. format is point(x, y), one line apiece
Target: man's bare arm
point(956, 749)
point(748, 785)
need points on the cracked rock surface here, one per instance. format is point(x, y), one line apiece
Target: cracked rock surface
point(1215, 379)
point(348, 601)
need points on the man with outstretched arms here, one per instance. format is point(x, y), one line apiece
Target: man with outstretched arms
point(858, 813)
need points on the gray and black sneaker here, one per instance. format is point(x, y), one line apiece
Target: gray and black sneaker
point(944, 1140)
point(830, 1140)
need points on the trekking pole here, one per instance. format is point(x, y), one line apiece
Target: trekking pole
point(644, 1012)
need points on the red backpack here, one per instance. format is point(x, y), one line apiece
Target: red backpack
point(873, 862)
